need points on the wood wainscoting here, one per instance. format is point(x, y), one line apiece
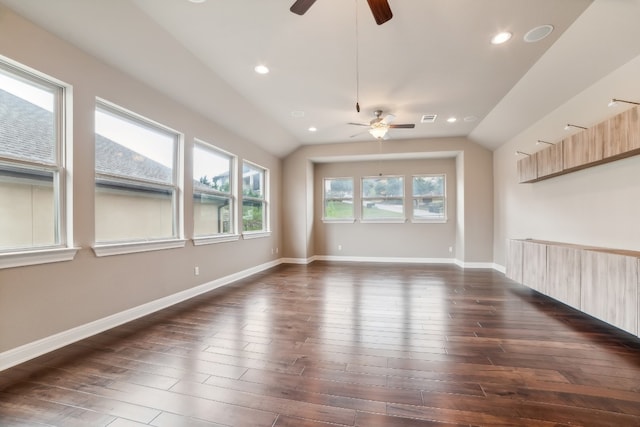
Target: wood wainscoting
point(341, 344)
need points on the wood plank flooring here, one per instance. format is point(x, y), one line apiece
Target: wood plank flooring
point(341, 344)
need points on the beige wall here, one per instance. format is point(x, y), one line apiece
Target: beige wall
point(303, 232)
point(406, 240)
point(38, 301)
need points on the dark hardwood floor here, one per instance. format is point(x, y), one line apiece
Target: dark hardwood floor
point(341, 344)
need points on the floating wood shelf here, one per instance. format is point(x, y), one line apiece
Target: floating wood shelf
point(604, 283)
point(608, 141)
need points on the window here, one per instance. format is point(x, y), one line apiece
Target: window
point(213, 186)
point(33, 174)
point(383, 198)
point(137, 191)
point(254, 200)
point(429, 200)
point(338, 199)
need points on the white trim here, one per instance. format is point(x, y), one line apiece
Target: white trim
point(339, 221)
point(255, 235)
point(109, 249)
point(37, 348)
point(485, 265)
point(44, 256)
point(383, 221)
point(198, 241)
point(500, 268)
point(385, 259)
point(302, 261)
point(429, 221)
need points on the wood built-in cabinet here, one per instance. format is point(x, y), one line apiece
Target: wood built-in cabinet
point(613, 139)
point(603, 283)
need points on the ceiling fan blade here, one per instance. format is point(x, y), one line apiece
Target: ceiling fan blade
point(359, 124)
point(300, 7)
point(403, 126)
point(381, 10)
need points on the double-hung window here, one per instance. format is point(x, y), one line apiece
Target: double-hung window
point(255, 213)
point(213, 194)
point(137, 182)
point(429, 198)
point(338, 200)
point(383, 199)
point(33, 196)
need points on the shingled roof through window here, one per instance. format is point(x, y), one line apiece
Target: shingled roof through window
point(27, 131)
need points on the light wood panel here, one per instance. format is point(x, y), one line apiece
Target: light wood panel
point(563, 274)
point(610, 289)
point(610, 140)
point(527, 169)
point(624, 133)
point(549, 160)
point(534, 266)
point(513, 266)
point(585, 147)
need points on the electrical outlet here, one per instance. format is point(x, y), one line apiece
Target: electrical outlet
point(196, 271)
point(450, 249)
point(339, 247)
point(276, 250)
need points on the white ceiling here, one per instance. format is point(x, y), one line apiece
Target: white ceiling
point(433, 57)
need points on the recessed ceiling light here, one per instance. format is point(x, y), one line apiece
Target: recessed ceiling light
point(452, 120)
point(470, 119)
point(261, 69)
point(501, 37)
point(197, 1)
point(538, 33)
point(313, 129)
point(297, 114)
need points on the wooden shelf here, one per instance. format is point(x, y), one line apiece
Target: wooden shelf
point(611, 140)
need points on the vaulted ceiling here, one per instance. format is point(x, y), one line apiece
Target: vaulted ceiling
point(433, 57)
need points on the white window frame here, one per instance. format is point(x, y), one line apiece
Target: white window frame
point(232, 235)
point(108, 248)
point(363, 200)
point(266, 221)
point(326, 219)
point(443, 197)
point(62, 249)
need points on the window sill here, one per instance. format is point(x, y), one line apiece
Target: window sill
point(110, 249)
point(255, 234)
point(384, 221)
point(339, 221)
point(429, 221)
point(210, 240)
point(33, 257)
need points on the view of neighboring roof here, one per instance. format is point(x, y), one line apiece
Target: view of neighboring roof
point(27, 131)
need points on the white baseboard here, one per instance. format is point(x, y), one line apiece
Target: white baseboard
point(385, 259)
point(302, 261)
point(501, 268)
point(37, 348)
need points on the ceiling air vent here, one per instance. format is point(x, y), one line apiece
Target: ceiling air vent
point(428, 118)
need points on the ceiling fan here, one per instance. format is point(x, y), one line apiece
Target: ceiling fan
point(379, 126)
point(380, 9)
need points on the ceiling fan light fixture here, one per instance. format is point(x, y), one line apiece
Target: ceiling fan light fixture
point(378, 132)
